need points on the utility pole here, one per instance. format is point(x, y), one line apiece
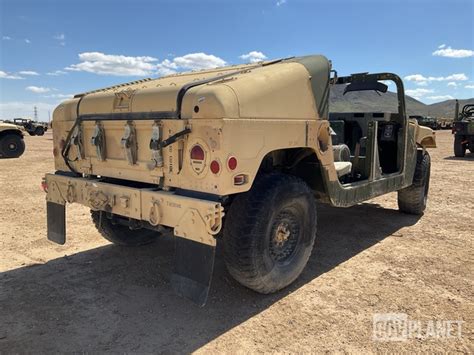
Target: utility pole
point(35, 110)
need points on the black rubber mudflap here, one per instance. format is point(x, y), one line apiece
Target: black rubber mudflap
point(56, 217)
point(192, 272)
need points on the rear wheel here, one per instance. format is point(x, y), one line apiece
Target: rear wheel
point(459, 147)
point(269, 233)
point(39, 131)
point(120, 234)
point(413, 198)
point(11, 146)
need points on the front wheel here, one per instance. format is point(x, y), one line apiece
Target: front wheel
point(269, 233)
point(39, 131)
point(11, 146)
point(413, 199)
point(120, 234)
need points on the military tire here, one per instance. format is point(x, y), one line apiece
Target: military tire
point(413, 198)
point(39, 131)
point(459, 148)
point(120, 234)
point(269, 233)
point(11, 146)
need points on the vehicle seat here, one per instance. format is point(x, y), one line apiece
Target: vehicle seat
point(343, 167)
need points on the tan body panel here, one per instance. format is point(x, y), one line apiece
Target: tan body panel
point(424, 136)
point(191, 218)
point(220, 138)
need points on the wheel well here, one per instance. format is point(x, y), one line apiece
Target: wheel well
point(10, 131)
point(300, 162)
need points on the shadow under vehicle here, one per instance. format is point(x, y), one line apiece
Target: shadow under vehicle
point(239, 154)
point(463, 129)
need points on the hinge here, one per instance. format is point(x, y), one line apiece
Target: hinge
point(76, 140)
point(98, 139)
point(155, 146)
point(129, 143)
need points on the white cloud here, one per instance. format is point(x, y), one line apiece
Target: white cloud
point(9, 110)
point(4, 75)
point(56, 73)
point(27, 41)
point(423, 80)
point(197, 61)
point(166, 67)
point(452, 83)
point(441, 46)
point(440, 97)
point(253, 57)
point(469, 86)
point(453, 53)
point(418, 93)
point(28, 72)
point(111, 64)
point(59, 96)
point(192, 61)
point(61, 38)
point(280, 2)
point(6, 38)
point(38, 89)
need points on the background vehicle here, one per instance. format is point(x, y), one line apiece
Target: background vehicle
point(32, 127)
point(426, 121)
point(463, 129)
point(12, 144)
point(255, 143)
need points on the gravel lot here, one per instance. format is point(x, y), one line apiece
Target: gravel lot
point(91, 296)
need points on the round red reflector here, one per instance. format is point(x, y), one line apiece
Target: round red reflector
point(197, 153)
point(215, 167)
point(232, 163)
point(55, 151)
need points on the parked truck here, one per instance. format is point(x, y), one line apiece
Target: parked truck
point(463, 129)
point(238, 155)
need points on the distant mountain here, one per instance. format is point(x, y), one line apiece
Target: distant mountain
point(367, 101)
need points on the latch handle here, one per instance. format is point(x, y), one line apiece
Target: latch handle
point(129, 143)
point(98, 139)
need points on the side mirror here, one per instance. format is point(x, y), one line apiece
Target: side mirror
point(366, 86)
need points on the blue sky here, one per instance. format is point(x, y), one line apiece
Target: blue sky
point(52, 49)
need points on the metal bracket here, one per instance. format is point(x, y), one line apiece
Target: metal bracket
point(98, 139)
point(155, 146)
point(129, 143)
point(76, 140)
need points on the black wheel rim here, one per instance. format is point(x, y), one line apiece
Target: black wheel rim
point(285, 236)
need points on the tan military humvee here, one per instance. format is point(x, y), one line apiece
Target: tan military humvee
point(239, 154)
point(12, 144)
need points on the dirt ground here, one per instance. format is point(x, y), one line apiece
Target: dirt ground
point(91, 296)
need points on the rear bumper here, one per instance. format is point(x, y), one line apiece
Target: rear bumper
point(195, 219)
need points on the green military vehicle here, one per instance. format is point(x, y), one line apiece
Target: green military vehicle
point(463, 129)
point(238, 155)
point(33, 128)
point(12, 144)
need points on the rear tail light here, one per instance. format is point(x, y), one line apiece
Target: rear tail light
point(197, 153)
point(215, 167)
point(232, 163)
